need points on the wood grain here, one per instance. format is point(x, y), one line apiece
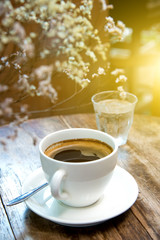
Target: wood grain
point(5, 228)
point(140, 156)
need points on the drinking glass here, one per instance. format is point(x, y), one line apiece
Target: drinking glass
point(114, 114)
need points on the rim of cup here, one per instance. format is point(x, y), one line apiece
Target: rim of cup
point(115, 148)
point(113, 91)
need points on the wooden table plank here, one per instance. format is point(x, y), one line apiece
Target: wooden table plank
point(139, 156)
point(5, 228)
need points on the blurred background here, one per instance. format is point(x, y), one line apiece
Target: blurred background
point(138, 54)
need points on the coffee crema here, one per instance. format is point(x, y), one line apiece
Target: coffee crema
point(78, 150)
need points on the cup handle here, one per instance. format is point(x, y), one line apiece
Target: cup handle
point(55, 185)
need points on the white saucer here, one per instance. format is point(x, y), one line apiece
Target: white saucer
point(119, 196)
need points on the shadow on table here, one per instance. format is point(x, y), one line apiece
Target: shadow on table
point(40, 228)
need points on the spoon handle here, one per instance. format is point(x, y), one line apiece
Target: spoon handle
point(26, 195)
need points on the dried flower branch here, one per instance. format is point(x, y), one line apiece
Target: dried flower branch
point(57, 33)
point(120, 79)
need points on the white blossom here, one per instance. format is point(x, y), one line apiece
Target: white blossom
point(117, 72)
point(121, 79)
point(101, 71)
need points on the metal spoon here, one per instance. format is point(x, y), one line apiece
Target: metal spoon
point(26, 195)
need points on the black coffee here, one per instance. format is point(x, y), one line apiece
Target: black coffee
point(78, 150)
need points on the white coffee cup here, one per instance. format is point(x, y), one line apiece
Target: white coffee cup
point(78, 184)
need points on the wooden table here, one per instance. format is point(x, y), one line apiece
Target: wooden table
point(140, 157)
